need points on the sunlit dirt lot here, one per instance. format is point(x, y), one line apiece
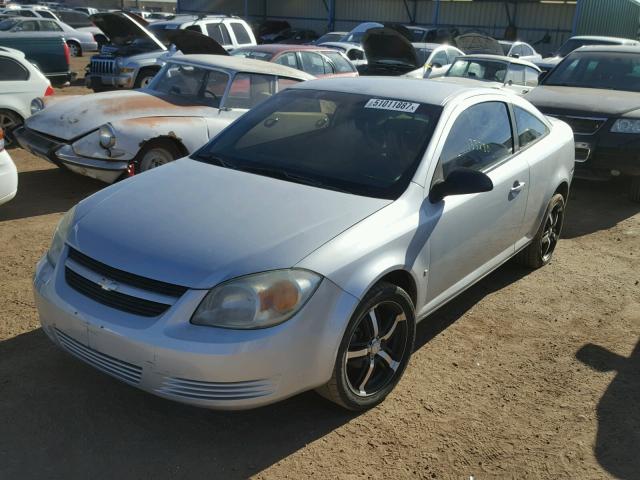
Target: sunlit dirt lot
point(526, 375)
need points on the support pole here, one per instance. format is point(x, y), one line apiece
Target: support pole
point(436, 13)
point(576, 17)
point(331, 23)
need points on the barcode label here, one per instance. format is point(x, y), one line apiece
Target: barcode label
point(396, 105)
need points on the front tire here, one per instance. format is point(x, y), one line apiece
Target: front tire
point(539, 252)
point(157, 153)
point(9, 121)
point(144, 77)
point(374, 351)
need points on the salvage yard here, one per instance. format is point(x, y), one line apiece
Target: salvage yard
point(526, 375)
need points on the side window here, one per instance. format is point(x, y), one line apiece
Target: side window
point(480, 137)
point(10, 70)
point(49, 26)
point(452, 54)
point(284, 83)
point(342, 65)
point(27, 13)
point(529, 127)
point(27, 26)
point(288, 60)
point(45, 14)
point(531, 77)
point(219, 33)
point(196, 28)
point(526, 50)
point(241, 33)
point(312, 63)
point(249, 89)
point(215, 87)
point(515, 74)
point(440, 58)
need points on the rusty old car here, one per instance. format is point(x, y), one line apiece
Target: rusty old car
point(112, 135)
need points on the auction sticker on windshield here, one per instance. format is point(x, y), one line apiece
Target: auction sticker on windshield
point(396, 105)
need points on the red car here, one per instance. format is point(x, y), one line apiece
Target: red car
point(317, 61)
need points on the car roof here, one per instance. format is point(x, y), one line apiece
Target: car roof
point(241, 64)
point(401, 88)
point(281, 47)
point(180, 19)
point(432, 46)
point(343, 45)
point(619, 40)
point(609, 48)
point(501, 58)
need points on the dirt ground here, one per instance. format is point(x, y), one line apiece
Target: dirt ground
point(526, 375)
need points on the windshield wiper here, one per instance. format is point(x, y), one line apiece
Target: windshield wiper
point(216, 161)
point(284, 175)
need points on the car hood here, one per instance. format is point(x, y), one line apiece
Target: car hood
point(388, 48)
point(194, 224)
point(476, 43)
point(68, 119)
point(192, 42)
point(552, 99)
point(122, 28)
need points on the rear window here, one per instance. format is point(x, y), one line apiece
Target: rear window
point(342, 65)
point(240, 32)
point(479, 69)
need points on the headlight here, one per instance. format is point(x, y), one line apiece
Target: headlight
point(119, 61)
point(60, 237)
point(257, 301)
point(626, 125)
point(36, 105)
point(107, 136)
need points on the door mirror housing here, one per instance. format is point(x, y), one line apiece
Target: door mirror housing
point(461, 181)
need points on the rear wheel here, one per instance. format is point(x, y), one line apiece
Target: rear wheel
point(374, 351)
point(540, 250)
point(634, 191)
point(74, 49)
point(9, 121)
point(157, 153)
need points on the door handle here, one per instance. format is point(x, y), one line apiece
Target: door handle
point(517, 186)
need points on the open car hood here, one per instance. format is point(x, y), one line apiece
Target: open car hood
point(477, 43)
point(192, 42)
point(389, 46)
point(123, 28)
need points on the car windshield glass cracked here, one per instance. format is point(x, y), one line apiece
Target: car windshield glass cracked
point(330, 139)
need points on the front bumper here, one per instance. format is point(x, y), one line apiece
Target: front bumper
point(62, 154)
point(607, 152)
point(98, 81)
point(204, 366)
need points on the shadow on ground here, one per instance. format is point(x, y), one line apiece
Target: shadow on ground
point(617, 446)
point(595, 206)
point(41, 192)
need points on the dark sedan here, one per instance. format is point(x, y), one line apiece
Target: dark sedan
point(596, 91)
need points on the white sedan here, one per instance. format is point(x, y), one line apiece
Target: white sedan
point(8, 174)
point(20, 83)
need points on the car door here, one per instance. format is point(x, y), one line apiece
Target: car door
point(515, 81)
point(15, 90)
point(473, 234)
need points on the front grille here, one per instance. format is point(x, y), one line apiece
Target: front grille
point(196, 389)
point(101, 66)
point(582, 125)
point(127, 372)
point(137, 281)
point(113, 299)
point(40, 142)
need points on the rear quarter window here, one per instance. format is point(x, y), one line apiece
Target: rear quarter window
point(239, 30)
point(530, 128)
point(10, 70)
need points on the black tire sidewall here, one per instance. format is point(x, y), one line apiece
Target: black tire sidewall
point(385, 292)
point(555, 200)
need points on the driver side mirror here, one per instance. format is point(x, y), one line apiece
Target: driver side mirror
point(461, 181)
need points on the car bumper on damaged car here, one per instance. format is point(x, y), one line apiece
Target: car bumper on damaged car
point(62, 154)
point(116, 81)
point(168, 356)
point(8, 178)
point(606, 156)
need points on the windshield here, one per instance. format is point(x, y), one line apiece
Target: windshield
point(612, 71)
point(574, 43)
point(338, 141)
point(191, 84)
point(6, 25)
point(258, 55)
point(488, 70)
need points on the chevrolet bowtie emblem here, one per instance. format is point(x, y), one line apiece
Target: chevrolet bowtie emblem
point(108, 285)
